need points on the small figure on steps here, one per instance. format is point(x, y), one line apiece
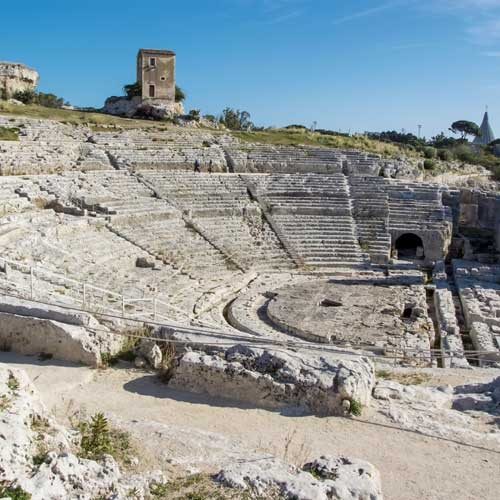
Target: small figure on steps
point(197, 166)
point(210, 166)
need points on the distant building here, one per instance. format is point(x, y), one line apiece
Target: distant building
point(156, 73)
point(487, 136)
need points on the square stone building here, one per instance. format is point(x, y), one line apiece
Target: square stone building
point(156, 73)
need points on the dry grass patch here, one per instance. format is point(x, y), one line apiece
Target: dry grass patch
point(404, 378)
point(299, 137)
point(203, 487)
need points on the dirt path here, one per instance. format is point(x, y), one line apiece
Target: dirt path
point(189, 429)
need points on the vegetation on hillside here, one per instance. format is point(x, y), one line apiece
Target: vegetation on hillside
point(9, 134)
point(40, 98)
point(75, 117)
point(234, 119)
point(302, 136)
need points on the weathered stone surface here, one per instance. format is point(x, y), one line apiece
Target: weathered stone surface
point(135, 107)
point(30, 328)
point(27, 430)
point(277, 379)
point(16, 77)
point(337, 478)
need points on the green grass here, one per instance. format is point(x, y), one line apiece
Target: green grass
point(404, 378)
point(97, 121)
point(356, 408)
point(299, 137)
point(7, 490)
point(9, 134)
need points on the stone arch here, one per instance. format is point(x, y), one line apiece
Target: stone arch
point(409, 246)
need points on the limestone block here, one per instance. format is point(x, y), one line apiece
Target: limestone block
point(277, 379)
point(328, 477)
point(62, 474)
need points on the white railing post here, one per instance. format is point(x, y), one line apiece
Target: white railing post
point(32, 283)
point(154, 309)
point(123, 306)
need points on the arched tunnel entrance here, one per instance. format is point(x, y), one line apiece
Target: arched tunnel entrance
point(410, 246)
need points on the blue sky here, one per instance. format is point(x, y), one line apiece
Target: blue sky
point(348, 64)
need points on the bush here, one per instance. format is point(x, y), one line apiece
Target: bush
point(40, 98)
point(495, 171)
point(99, 439)
point(430, 153)
point(235, 119)
point(355, 408)
point(25, 96)
point(195, 114)
point(466, 154)
point(7, 490)
point(49, 100)
point(180, 95)
point(133, 90)
point(429, 164)
point(445, 155)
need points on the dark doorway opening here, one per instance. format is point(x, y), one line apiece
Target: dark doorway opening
point(410, 246)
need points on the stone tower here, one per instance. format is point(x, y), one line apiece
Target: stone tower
point(156, 73)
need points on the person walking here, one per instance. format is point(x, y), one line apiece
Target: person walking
point(197, 166)
point(210, 167)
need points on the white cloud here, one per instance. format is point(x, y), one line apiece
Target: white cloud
point(371, 11)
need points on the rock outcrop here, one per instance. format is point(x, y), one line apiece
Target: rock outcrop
point(32, 328)
point(36, 454)
point(16, 77)
point(135, 107)
point(324, 384)
point(339, 478)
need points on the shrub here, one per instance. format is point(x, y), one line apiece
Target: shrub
point(133, 90)
point(49, 100)
point(429, 164)
point(465, 153)
point(355, 408)
point(40, 98)
point(25, 96)
point(180, 95)
point(99, 439)
point(235, 119)
point(495, 171)
point(445, 155)
point(8, 490)
point(195, 114)
point(430, 153)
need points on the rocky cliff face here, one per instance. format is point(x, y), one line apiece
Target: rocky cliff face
point(16, 77)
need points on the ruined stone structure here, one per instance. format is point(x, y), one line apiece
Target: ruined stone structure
point(16, 77)
point(230, 249)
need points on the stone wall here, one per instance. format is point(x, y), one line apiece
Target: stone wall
point(15, 77)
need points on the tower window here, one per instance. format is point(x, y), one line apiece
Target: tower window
point(151, 91)
point(152, 61)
